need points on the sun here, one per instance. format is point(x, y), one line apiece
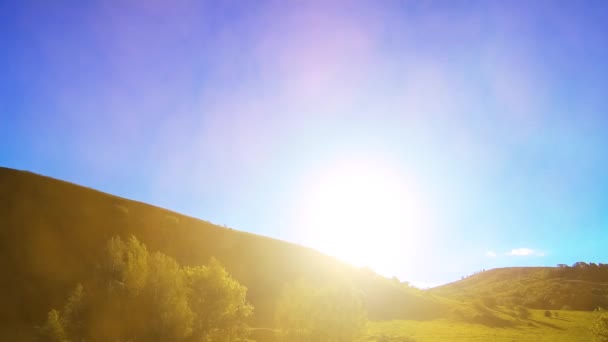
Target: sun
point(363, 212)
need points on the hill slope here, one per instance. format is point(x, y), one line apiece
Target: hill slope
point(580, 287)
point(52, 232)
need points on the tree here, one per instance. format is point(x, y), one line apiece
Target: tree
point(138, 296)
point(599, 329)
point(308, 312)
point(53, 330)
point(219, 303)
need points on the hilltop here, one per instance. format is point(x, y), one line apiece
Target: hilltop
point(52, 232)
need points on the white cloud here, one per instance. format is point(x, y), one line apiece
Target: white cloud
point(521, 252)
point(491, 254)
point(524, 252)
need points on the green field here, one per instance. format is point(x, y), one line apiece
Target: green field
point(569, 326)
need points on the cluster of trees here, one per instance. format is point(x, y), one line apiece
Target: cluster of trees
point(136, 295)
point(315, 312)
point(581, 271)
point(140, 296)
point(472, 274)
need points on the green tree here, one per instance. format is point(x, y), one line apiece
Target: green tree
point(53, 330)
point(218, 302)
point(599, 329)
point(308, 312)
point(138, 296)
point(169, 315)
point(74, 312)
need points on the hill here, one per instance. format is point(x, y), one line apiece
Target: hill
point(581, 286)
point(52, 232)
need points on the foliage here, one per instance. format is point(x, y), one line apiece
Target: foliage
point(308, 312)
point(53, 330)
point(219, 303)
point(599, 329)
point(53, 235)
point(141, 296)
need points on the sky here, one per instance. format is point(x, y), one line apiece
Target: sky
point(425, 139)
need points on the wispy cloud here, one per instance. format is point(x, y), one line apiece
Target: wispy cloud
point(524, 252)
point(517, 252)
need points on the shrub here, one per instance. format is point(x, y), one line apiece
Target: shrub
point(547, 313)
point(320, 313)
point(599, 329)
point(140, 296)
point(53, 330)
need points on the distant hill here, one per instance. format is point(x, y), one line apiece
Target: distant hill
point(52, 232)
point(581, 286)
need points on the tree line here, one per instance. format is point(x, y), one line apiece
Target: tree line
point(136, 295)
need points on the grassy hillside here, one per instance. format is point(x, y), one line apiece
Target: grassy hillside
point(568, 326)
point(491, 306)
point(52, 232)
point(580, 287)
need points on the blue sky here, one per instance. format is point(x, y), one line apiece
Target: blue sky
point(474, 129)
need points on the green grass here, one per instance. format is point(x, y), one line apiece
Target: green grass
point(569, 326)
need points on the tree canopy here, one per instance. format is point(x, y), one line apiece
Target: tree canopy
point(141, 296)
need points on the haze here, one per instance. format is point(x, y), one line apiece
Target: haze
point(426, 140)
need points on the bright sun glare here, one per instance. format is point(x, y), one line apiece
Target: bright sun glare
point(365, 213)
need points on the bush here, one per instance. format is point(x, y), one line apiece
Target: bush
point(53, 330)
point(140, 296)
point(319, 313)
point(547, 313)
point(599, 329)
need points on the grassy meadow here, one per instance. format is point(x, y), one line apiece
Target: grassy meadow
point(567, 327)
